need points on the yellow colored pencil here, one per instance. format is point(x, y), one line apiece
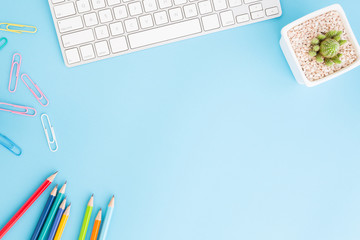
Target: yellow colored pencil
point(62, 223)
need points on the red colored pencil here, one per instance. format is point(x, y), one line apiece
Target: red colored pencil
point(26, 206)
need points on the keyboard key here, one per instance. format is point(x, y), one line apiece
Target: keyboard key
point(256, 7)
point(175, 14)
point(105, 16)
point(64, 10)
point(116, 28)
point(72, 56)
point(90, 19)
point(165, 3)
point(234, 3)
point(272, 11)
point(210, 22)
point(102, 48)
point(243, 18)
point(113, 2)
point(120, 12)
point(57, 1)
point(146, 21)
point(165, 33)
point(190, 10)
point(150, 5)
point(257, 15)
point(118, 44)
point(131, 25)
point(98, 4)
point(135, 8)
point(227, 18)
point(161, 18)
point(87, 52)
point(101, 32)
point(219, 4)
point(179, 2)
point(77, 38)
point(83, 6)
point(205, 7)
point(250, 1)
point(70, 24)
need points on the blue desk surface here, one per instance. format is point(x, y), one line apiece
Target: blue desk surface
point(209, 138)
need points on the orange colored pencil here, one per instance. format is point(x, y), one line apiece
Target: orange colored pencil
point(96, 228)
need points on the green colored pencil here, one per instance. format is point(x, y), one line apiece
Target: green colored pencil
point(49, 220)
point(87, 216)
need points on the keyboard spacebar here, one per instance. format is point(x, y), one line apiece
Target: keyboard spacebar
point(165, 33)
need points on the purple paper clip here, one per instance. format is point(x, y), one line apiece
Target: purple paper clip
point(39, 95)
point(17, 109)
point(18, 64)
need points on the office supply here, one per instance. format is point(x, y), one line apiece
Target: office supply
point(17, 28)
point(51, 139)
point(3, 42)
point(57, 219)
point(27, 204)
point(44, 214)
point(86, 220)
point(35, 90)
point(96, 227)
point(10, 145)
point(62, 223)
point(17, 63)
point(17, 109)
point(103, 29)
point(107, 220)
point(50, 218)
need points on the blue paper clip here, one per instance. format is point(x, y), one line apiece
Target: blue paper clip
point(10, 145)
point(3, 42)
point(51, 139)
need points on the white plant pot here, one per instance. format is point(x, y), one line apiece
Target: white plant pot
point(290, 53)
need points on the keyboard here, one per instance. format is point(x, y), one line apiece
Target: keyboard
point(92, 30)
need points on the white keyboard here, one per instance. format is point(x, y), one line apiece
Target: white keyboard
point(91, 30)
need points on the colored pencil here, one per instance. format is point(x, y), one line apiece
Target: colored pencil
point(96, 227)
point(44, 214)
point(57, 220)
point(87, 216)
point(27, 204)
point(62, 223)
point(50, 218)
point(106, 224)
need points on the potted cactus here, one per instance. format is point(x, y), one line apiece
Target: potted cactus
point(320, 46)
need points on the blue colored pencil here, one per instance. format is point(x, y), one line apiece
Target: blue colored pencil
point(44, 213)
point(106, 224)
point(57, 220)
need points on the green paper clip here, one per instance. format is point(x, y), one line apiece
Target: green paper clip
point(17, 28)
point(3, 42)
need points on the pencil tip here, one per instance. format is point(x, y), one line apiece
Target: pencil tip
point(52, 177)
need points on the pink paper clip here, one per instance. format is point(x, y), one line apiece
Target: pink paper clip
point(38, 94)
point(17, 109)
point(18, 64)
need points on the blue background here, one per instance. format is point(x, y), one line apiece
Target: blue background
point(209, 138)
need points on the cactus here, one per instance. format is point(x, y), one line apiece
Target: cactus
point(325, 47)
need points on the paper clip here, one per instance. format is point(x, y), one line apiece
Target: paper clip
point(14, 63)
point(38, 94)
point(10, 145)
point(17, 28)
point(51, 140)
point(3, 42)
point(17, 109)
